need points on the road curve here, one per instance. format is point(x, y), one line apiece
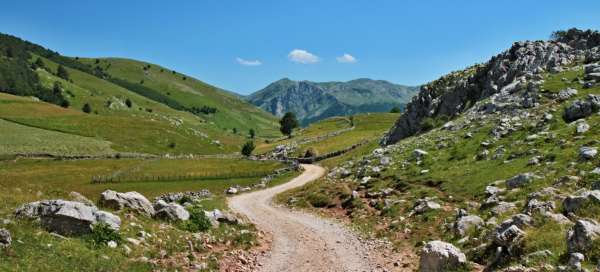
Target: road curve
point(301, 242)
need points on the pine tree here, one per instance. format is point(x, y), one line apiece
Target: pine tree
point(248, 148)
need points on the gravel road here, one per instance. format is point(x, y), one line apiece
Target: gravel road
point(302, 242)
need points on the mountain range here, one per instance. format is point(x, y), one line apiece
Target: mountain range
point(313, 101)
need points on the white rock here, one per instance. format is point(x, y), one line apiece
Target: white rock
point(130, 200)
point(172, 212)
point(441, 256)
point(587, 152)
point(520, 180)
point(581, 236)
point(5, 238)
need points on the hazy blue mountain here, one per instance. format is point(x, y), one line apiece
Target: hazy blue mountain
point(313, 101)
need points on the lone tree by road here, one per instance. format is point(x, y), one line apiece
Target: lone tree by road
point(288, 123)
point(248, 148)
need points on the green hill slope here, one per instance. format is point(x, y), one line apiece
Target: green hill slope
point(189, 93)
point(137, 107)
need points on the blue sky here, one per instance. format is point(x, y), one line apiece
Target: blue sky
point(244, 45)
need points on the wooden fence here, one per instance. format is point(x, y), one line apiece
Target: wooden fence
point(329, 155)
point(187, 177)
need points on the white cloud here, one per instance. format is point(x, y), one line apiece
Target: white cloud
point(248, 62)
point(302, 56)
point(346, 58)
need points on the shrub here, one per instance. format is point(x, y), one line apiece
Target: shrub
point(248, 148)
point(319, 200)
point(86, 108)
point(198, 221)
point(65, 103)
point(172, 145)
point(102, 234)
point(427, 123)
point(311, 152)
point(245, 239)
point(62, 72)
point(128, 103)
point(396, 110)
point(39, 63)
point(458, 153)
point(252, 133)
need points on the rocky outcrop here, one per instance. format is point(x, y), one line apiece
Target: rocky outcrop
point(425, 205)
point(441, 256)
point(509, 79)
point(582, 235)
point(5, 238)
point(216, 216)
point(170, 211)
point(520, 180)
point(130, 200)
point(572, 204)
point(465, 223)
point(185, 197)
point(587, 152)
point(67, 217)
point(582, 108)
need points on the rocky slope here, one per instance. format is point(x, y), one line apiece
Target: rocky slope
point(313, 101)
point(508, 180)
point(497, 79)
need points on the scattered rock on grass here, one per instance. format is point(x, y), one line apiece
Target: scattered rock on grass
point(574, 203)
point(466, 223)
point(171, 211)
point(5, 238)
point(426, 204)
point(588, 153)
point(582, 235)
point(67, 217)
point(520, 180)
point(441, 256)
point(130, 200)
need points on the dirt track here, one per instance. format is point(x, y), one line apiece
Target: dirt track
point(302, 242)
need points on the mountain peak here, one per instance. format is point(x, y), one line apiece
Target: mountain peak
point(313, 101)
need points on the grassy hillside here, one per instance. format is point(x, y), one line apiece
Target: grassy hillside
point(147, 126)
point(232, 112)
point(336, 133)
point(134, 106)
point(20, 139)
